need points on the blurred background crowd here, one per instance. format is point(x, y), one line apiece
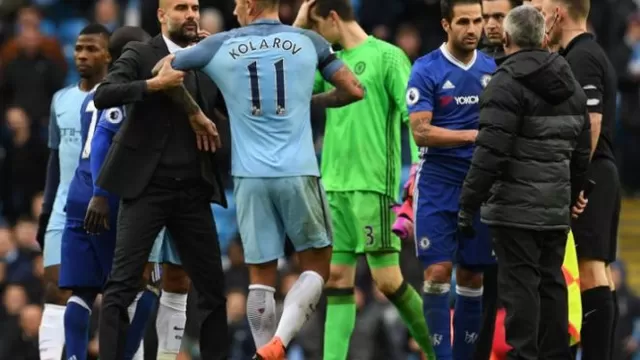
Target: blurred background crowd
point(36, 59)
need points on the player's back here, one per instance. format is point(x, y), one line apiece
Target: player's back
point(65, 136)
point(266, 73)
point(81, 188)
point(454, 90)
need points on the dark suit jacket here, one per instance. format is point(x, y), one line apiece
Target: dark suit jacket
point(138, 145)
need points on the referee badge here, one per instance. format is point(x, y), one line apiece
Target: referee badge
point(114, 115)
point(413, 95)
point(485, 80)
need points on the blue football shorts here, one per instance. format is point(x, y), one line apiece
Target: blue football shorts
point(85, 259)
point(436, 206)
point(164, 250)
point(269, 209)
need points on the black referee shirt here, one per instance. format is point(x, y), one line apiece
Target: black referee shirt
point(596, 74)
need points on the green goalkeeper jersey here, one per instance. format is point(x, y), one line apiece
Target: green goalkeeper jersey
point(362, 148)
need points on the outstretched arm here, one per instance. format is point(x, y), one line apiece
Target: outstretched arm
point(180, 95)
point(347, 87)
point(193, 58)
point(123, 84)
point(347, 90)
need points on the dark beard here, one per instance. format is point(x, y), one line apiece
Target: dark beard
point(182, 37)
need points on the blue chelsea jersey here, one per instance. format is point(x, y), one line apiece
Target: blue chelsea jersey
point(450, 90)
point(93, 122)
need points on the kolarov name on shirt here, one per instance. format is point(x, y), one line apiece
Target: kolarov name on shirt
point(275, 43)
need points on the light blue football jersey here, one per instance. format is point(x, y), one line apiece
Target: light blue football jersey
point(266, 72)
point(65, 135)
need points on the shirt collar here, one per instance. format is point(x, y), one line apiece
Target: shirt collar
point(171, 46)
point(574, 41)
point(266, 22)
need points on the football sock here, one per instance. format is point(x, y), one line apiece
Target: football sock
point(50, 334)
point(76, 325)
point(139, 312)
point(467, 319)
point(170, 324)
point(614, 327)
point(597, 321)
point(438, 315)
point(261, 313)
point(409, 305)
point(299, 304)
point(341, 319)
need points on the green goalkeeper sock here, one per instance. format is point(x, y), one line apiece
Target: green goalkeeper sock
point(341, 319)
point(409, 305)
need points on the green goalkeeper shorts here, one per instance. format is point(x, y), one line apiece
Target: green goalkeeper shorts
point(362, 222)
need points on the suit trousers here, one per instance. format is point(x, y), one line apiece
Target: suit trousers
point(484, 344)
point(183, 207)
point(532, 288)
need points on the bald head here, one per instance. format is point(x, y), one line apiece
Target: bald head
point(179, 20)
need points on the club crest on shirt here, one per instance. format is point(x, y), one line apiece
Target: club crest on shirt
point(114, 115)
point(424, 243)
point(413, 95)
point(359, 68)
point(484, 80)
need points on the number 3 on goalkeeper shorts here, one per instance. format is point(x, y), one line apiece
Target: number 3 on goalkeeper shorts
point(368, 232)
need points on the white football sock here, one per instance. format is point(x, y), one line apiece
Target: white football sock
point(51, 332)
point(261, 312)
point(299, 304)
point(170, 324)
point(139, 355)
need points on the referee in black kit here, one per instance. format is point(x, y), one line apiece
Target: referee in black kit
point(596, 231)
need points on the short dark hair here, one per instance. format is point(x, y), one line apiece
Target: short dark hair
point(95, 29)
point(512, 3)
point(342, 7)
point(122, 36)
point(577, 9)
point(447, 6)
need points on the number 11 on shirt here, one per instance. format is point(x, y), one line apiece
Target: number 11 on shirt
point(256, 102)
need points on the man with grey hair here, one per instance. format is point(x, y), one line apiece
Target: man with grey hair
point(528, 169)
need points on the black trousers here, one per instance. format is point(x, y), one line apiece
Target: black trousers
point(532, 289)
point(484, 344)
point(183, 207)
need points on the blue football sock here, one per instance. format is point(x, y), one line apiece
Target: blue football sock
point(144, 307)
point(76, 325)
point(467, 319)
point(438, 316)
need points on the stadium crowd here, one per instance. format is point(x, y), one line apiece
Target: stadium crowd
point(36, 59)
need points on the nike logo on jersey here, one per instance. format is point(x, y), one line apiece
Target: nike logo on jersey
point(448, 85)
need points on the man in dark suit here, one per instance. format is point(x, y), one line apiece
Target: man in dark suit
point(155, 167)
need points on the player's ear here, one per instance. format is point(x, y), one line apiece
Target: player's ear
point(445, 25)
point(160, 14)
point(334, 16)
